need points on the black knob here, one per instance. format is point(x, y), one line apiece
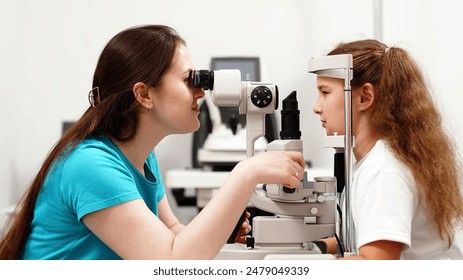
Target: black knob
point(250, 242)
point(288, 190)
point(261, 96)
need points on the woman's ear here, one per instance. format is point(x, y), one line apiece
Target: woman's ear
point(142, 94)
point(367, 96)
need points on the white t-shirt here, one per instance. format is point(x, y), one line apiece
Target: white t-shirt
point(384, 206)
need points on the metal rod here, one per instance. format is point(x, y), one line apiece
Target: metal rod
point(378, 19)
point(348, 141)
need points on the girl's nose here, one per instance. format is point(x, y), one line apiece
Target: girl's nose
point(317, 109)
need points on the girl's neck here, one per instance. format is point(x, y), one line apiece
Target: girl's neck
point(364, 141)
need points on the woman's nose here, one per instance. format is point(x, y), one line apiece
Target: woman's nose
point(199, 93)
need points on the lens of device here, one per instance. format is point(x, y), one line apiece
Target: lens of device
point(290, 128)
point(202, 79)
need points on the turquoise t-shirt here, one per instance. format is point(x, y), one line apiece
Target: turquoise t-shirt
point(94, 176)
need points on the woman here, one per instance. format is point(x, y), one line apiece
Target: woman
point(99, 193)
point(406, 193)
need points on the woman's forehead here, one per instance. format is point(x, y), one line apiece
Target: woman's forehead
point(182, 61)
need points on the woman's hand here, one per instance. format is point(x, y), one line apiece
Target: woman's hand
point(244, 230)
point(275, 167)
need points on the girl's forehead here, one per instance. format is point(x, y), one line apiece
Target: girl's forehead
point(328, 82)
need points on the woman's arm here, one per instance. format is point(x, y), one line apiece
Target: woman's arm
point(167, 216)
point(134, 232)
point(170, 220)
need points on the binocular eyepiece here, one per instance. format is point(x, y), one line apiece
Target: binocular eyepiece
point(203, 79)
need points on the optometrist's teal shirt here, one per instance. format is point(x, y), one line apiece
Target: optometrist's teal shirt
point(93, 176)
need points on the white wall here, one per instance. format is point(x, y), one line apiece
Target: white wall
point(430, 29)
point(49, 50)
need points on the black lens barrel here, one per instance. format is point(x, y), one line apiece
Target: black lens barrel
point(202, 79)
point(290, 118)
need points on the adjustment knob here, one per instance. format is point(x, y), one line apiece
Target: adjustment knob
point(289, 190)
point(261, 96)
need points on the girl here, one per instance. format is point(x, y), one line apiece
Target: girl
point(406, 191)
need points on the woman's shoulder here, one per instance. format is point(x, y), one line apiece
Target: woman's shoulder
point(96, 146)
point(91, 153)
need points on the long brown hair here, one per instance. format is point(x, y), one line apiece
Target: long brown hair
point(137, 54)
point(405, 116)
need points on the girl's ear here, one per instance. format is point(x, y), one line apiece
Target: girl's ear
point(142, 95)
point(367, 96)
